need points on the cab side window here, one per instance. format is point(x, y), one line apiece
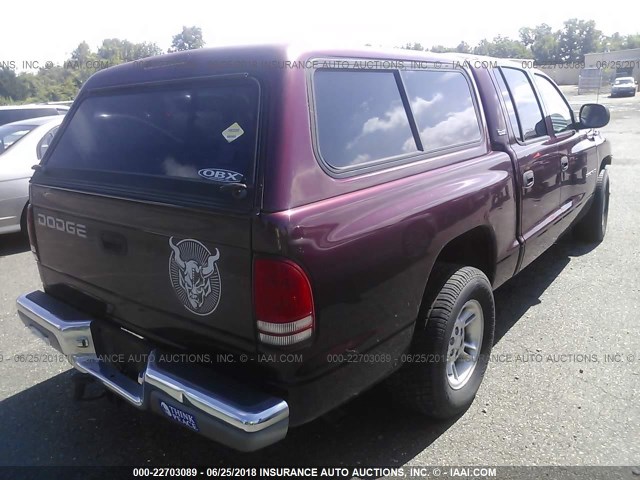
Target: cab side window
point(361, 117)
point(555, 104)
point(528, 112)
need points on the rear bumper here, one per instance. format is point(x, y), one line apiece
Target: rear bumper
point(215, 406)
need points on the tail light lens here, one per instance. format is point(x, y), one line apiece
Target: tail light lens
point(31, 230)
point(283, 302)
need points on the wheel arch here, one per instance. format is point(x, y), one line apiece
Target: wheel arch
point(605, 161)
point(475, 248)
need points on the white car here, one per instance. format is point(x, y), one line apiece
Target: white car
point(624, 86)
point(22, 145)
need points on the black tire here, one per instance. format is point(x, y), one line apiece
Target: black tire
point(593, 226)
point(23, 222)
point(422, 383)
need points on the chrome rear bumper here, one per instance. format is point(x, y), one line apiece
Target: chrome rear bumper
point(215, 406)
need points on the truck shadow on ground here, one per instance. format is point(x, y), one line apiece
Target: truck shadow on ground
point(44, 426)
point(13, 243)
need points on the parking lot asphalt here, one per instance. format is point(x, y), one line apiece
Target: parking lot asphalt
point(563, 386)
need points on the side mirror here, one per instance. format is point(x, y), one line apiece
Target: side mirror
point(593, 115)
point(541, 129)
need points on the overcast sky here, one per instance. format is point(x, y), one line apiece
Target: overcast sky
point(45, 30)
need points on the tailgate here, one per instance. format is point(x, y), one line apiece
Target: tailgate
point(131, 208)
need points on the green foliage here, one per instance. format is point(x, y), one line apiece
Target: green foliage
point(619, 42)
point(57, 83)
point(542, 42)
point(62, 82)
point(414, 46)
point(503, 47)
point(441, 49)
point(577, 38)
point(463, 47)
point(189, 39)
point(545, 46)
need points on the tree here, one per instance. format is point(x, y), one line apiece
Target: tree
point(190, 38)
point(414, 46)
point(146, 49)
point(502, 47)
point(505, 47)
point(117, 51)
point(483, 48)
point(82, 53)
point(613, 42)
point(463, 47)
point(577, 38)
point(11, 87)
point(542, 43)
point(632, 41)
point(441, 49)
point(55, 83)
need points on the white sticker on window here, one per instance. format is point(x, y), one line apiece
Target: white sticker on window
point(233, 132)
point(220, 175)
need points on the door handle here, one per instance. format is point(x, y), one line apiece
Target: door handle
point(564, 163)
point(528, 179)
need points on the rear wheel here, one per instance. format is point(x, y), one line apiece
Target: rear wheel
point(593, 226)
point(23, 222)
point(451, 346)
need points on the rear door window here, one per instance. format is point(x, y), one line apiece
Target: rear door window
point(181, 140)
point(504, 92)
point(528, 111)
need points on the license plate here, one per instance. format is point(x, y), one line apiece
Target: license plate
point(179, 416)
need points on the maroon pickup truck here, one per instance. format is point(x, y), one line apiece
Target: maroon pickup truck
point(241, 239)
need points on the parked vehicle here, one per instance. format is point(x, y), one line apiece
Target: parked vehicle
point(15, 113)
point(22, 145)
point(624, 86)
point(242, 239)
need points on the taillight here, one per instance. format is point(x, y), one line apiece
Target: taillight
point(283, 302)
point(31, 230)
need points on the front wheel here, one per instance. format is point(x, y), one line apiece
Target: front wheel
point(451, 346)
point(593, 226)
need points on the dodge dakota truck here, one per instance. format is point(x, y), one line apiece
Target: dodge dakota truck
point(242, 239)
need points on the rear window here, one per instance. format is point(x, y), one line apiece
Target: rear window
point(10, 134)
point(8, 116)
point(184, 140)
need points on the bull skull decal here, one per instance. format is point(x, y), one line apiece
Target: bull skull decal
point(195, 276)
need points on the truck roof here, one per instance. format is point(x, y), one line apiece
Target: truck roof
point(251, 59)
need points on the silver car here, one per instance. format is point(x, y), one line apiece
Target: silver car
point(15, 113)
point(22, 145)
